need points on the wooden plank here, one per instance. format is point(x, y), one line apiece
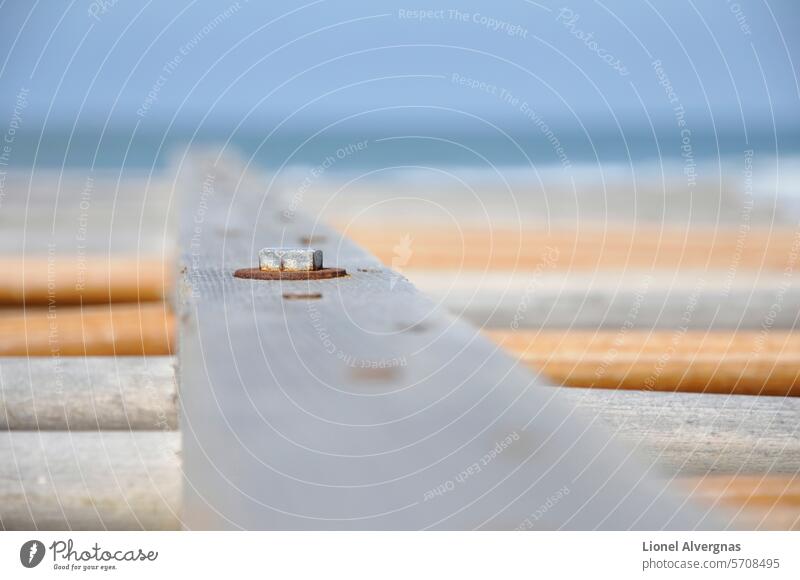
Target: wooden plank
point(107, 480)
point(120, 329)
point(69, 186)
point(129, 481)
point(743, 362)
point(366, 407)
point(755, 502)
point(87, 280)
point(654, 194)
point(84, 236)
point(690, 433)
point(590, 247)
point(542, 297)
point(111, 240)
point(700, 434)
point(71, 230)
point(90, 393)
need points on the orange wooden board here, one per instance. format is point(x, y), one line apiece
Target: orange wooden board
point(120, 329)
point(733, 362)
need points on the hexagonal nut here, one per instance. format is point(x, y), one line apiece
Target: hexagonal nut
point(289, 259)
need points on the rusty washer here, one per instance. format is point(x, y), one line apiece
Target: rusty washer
point(259, 274)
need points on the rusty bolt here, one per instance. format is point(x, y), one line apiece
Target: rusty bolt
point(289, 264)
point(289, 259)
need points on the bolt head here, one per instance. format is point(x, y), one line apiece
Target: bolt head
point(289, 259)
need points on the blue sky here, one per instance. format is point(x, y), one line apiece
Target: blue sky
point(97, 63)
point(116, 81)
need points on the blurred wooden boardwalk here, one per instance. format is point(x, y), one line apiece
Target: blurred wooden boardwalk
point(691, 316)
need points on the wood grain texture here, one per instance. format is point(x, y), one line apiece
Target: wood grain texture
point(92, 393)
point(591, 247)
point(368, 407)
point(107, 480)
point(743, 362)
point(86, 280)
point(120, 329)
point(700, 434)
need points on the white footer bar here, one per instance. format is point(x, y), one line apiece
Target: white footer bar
point(399, 555)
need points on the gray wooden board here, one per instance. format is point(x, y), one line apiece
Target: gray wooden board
point(124, 481)
point(115, 480)
point(283, 430)
point(84, 212)
point(694, 300)
point(98, 230)
point(698, 433)
point(694, 433)
point(469, 196)
point(87, 393)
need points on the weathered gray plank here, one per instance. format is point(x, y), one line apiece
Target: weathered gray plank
point(71, 185)
point(62, 480)
point(546, 299)
point(699, 434)
point(76, 213)
point(283, 429)
point(692, 433)
point(100, 228)
point(600, 193)
point(91, 393)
